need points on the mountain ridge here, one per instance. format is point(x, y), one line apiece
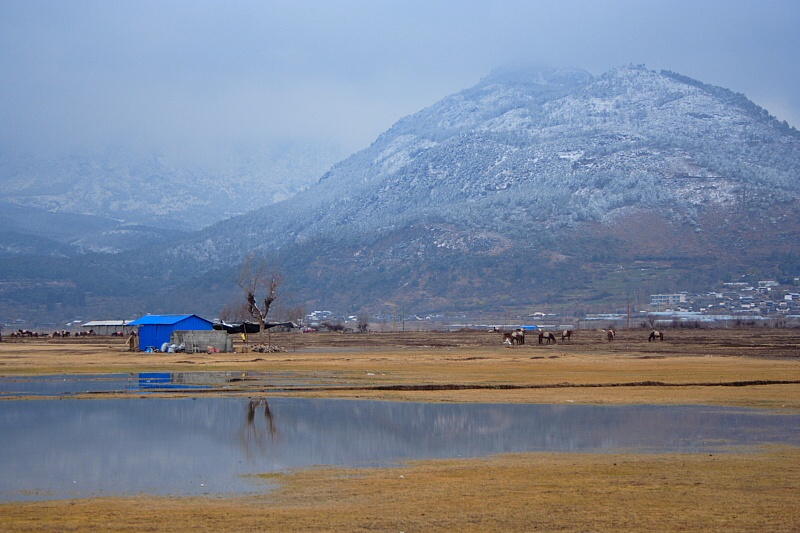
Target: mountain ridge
point(393, 166)
point(538, 170)
point(547, 187)
point(135, 187)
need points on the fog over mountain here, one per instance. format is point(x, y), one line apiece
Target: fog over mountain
point(534, 187)
point(533, 176)
point(135, 187)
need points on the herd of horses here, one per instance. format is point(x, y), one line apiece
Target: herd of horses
point(23, 333)
point(517, 337)
point(27, 334)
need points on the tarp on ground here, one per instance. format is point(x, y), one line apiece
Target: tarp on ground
point(250, 327)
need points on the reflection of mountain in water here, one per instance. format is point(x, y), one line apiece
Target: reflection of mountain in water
point(162, 446)
point(378, 431)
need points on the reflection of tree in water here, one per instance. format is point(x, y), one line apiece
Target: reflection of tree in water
point(254, 436)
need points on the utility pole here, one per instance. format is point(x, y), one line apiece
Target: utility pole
point(628, 325)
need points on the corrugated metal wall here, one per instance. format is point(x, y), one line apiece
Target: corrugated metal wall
point(157, 334)
point(193, 323)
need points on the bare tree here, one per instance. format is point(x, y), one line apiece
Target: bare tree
point(296, 314)
point(234, 312)
point(256, 277)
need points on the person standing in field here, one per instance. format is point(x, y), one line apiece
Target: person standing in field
point(132, 342)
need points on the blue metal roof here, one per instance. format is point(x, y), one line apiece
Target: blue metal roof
point(162, 320)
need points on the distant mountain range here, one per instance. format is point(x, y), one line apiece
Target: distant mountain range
point(155, 190)
point(536, 187)
point(33, 231)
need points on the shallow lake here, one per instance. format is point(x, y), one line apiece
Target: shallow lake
point(155, 382)
point(67, 448)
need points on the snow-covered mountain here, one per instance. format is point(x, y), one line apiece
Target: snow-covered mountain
point(132, 187)
point(554, 148)
point(30, 231)
point(546, 185)
point(533, 178)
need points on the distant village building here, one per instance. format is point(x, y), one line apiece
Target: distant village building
point(661, 300)
point(108, 327)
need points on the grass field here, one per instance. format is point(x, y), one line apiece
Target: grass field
point(755, 490)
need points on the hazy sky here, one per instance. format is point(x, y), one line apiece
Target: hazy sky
point(202, 76)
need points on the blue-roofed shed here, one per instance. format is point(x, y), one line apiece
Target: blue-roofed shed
point(155, 330)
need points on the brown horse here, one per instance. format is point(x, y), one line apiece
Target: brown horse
point(548, 336)
point(656, 335)
point(566, 335)
point(610, 333)
point(515, 337)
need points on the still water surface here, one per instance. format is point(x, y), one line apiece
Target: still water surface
point(210, 445)
point(155, 382)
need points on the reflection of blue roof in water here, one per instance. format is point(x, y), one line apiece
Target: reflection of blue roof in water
point(63, 385)
point(163, 380)
point(152, 378)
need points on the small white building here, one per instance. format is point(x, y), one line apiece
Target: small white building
point(109, 327)
point(661, 300)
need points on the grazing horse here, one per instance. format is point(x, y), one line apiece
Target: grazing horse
point(566, 334)
point(515, 337)
point(549, 337)
point(655, 335)
point(610, 333)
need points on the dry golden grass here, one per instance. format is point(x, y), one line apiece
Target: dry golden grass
point(694, 366)
point(755, 490)
point(529, 492)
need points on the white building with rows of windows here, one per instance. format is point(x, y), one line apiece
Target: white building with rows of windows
point(662, 300)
